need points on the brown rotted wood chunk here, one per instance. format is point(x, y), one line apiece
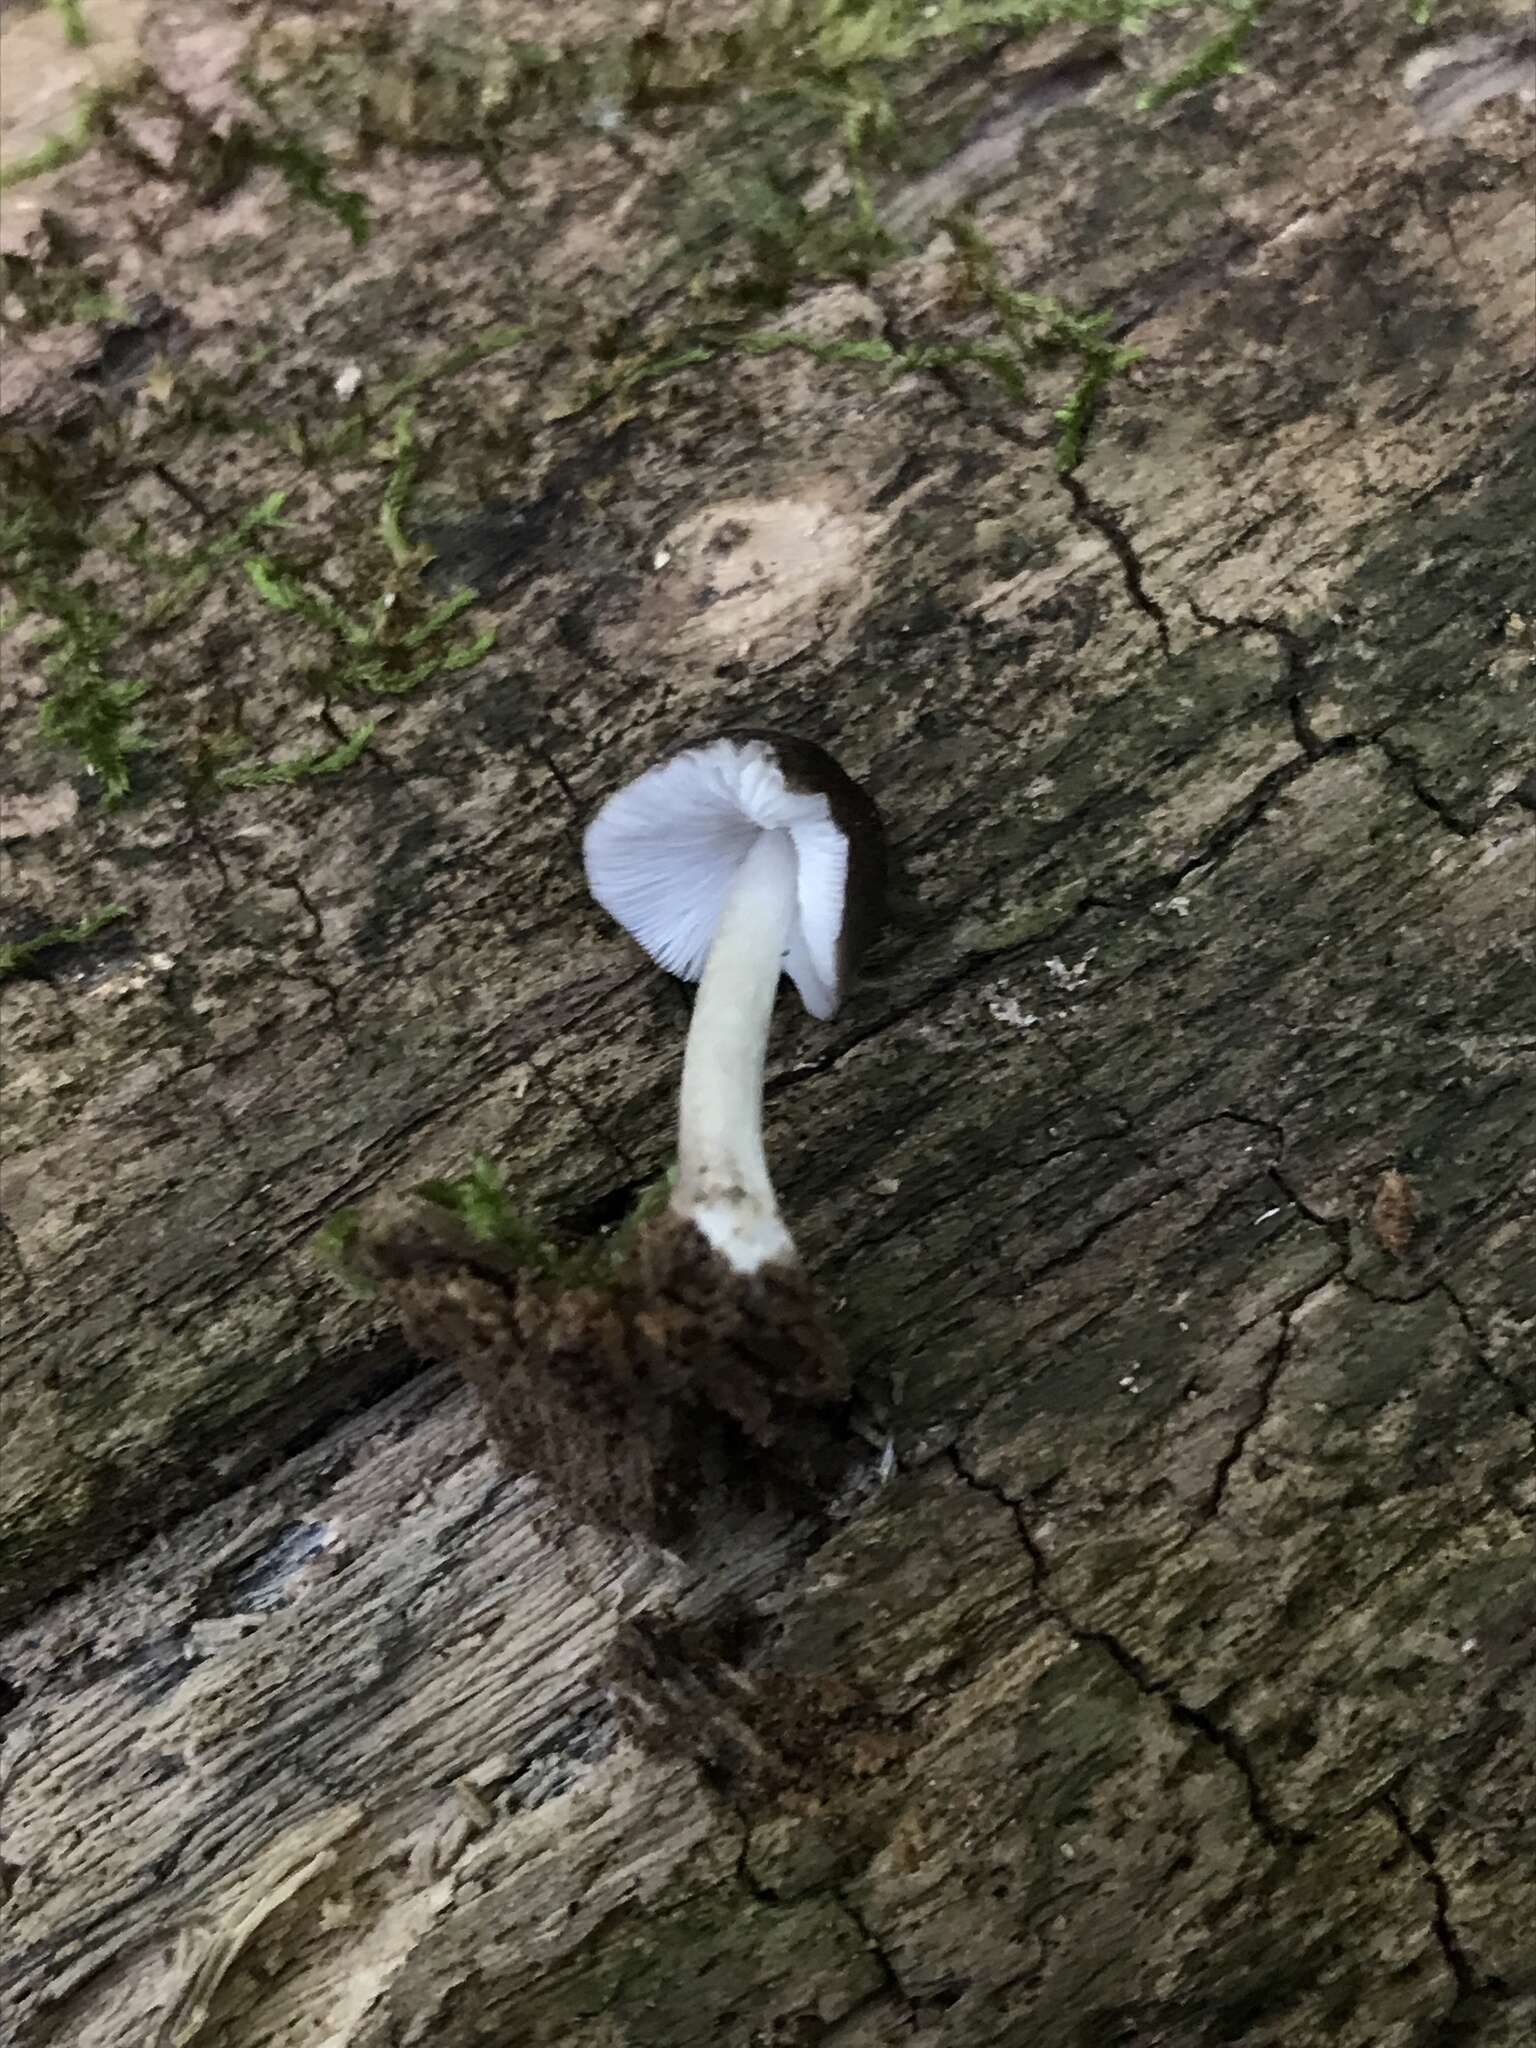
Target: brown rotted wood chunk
point(638, 1402)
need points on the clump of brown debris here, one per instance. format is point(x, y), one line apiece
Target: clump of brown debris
point(637, 1398)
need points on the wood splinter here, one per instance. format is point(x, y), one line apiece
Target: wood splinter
point(704, 1363)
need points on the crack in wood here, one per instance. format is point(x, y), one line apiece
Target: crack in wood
point(1277, 1833)
point(1463, 1976)
point(1110, 527)
point(1263, 1395)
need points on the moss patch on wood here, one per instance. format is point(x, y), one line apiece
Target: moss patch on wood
point(23, 956)
point(805, 81)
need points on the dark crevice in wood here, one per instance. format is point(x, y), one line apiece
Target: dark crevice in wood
point(1092, 512)
point(1463, 1976)
point(1277, 1833)
point(1506, 1386)
point(1263, 1395)
point(878, 1953)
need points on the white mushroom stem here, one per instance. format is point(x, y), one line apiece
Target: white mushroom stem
point(722, 1180)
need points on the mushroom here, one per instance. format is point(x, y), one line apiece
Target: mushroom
point(691, 1359)
point(730, 862)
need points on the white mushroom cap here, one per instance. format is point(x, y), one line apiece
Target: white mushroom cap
point(662, 853)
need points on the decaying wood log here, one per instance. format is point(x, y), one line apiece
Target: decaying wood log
point(1170, 1174)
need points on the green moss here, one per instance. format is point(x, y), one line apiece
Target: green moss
point(45, 530)
point(750, 237)
point(800, 87)
point(55, 151)
point(17, 955)
point(1218, 57)
point(397, 492)
point(482, 1201)
point(332, 1246)
point(49, 523)
point(182, 577)
point(55, 291)
point(1041, 329)
point(302, 767)
point(399, 638)
point(305, 170)
point(1076, 417)
point(612, 1249)
point(72, 21)
point(796, 78)
point(389, 642)
point(94, 714)
point(426, 89)
point(388, 649)
point(1031, 330)
point(210, 163)
point(448, 362)
point(88, 708)
point(44, 520)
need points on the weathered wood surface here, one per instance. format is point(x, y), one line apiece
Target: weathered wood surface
point(1194, 1650)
